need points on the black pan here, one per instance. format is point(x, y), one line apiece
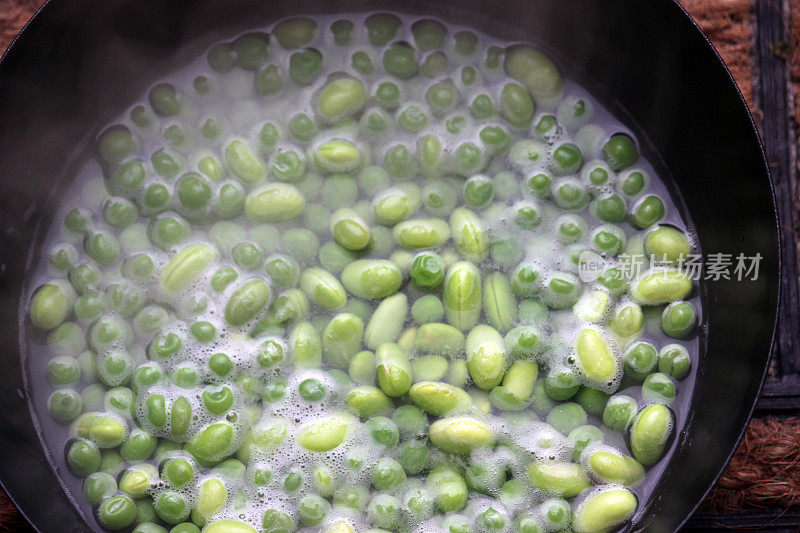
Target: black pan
point(79, 61)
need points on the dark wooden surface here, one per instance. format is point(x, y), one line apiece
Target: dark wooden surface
point(781, 392)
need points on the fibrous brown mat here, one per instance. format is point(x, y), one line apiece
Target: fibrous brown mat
point(765, 471)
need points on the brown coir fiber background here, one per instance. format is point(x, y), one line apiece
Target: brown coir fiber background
point(765, 471)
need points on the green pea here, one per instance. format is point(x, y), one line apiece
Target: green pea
point(83, 458)
point(516, 105)
point(619, 412)
point(63, 370)
point(449, 488)
point(156, 198)
point(478, 191)
point(383, 511)
point(247, 256)
point(467, 159)
point(399, 161)
point(362, 63)
point(482, 106)
point(139, 446)
point(65, 405)
point(342, 30)
point(68, 339)
point(428, 34)
point(648, 211)
point(412, 118)
point(526, 280)
point(591, 138)
point(567, 417)
point(674, 360)
point(524, 342)
point(136, 267)
point(117, 512)
point(282, 270)
point(428, 270)
point(574, 112)
point(620, 151)
point(102, 247)
point(99, 486)
point(323, 288)
point(269, 80)
point(78, 219)
point(165, 163)
point(172, 507)
point(442, 97)
point(116, 143)
point(610, 207)
point(433, 65)
point(560, 290)
point(582, 437)
point(165, 100)
point(627, 320)
point(678, 319)
point(141, 116)
point(468, 75)
point(658, 388)
point(570, 193)
point(540, 185)
point(400, 61)
point(250, 50)
point(305, 66)
point(456, 123)
point(640, 360)
point(561, 384)
point(491, 520)
point(177, 135)
point(387, 95)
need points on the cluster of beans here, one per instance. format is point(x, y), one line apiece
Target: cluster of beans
point(339, 291)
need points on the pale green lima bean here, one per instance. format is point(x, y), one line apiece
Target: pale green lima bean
point(462, 295)
point(487, 356)
point(387, 321)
